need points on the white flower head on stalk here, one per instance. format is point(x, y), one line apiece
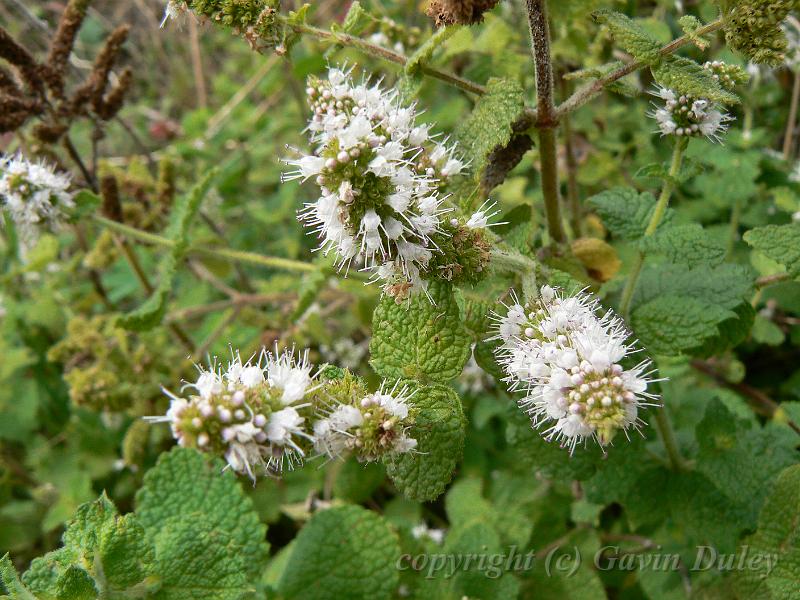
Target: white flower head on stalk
point(372, 426)
point(379, 175)
point(174, 10)
point(252, 413)
point(35, 197)
point(683, 115)
point(566, 359)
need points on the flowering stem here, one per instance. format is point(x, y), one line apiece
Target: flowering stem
point(547, 119)
point(252, 258)
point(592, 89)
point(676, 461)
point(655, 220)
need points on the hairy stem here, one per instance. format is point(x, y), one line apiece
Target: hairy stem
point(547, 120)
point(655, 220)
point(573, 199)
point(592, 89)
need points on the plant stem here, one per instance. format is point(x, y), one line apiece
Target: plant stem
point(592, 89)
point(547, 120)
point(788, 136)
point(573, 200)
point(252, 258)
point(655, 220)
point(668, 437)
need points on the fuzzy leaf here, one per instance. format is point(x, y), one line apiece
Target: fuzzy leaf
point(672, 324)
point(439, 431)
point(99, 545)
point(626, 212)
point(489, 124)
point(184, 489)
point(424, 53)
point(150, 314)
point(725, 286)
point(685, 76)
point(11, 582)
point(346, 552)
point(356, 20)
point(420, 340)
point(685, 244)
point(781, 243)
point(777, 537)
point(630, 35)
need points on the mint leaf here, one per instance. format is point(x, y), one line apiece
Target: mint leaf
point(725, 286)
point(102, 551)
point(11, 582)
point(185, 486)
point(345, 551)
point(420, 340)
point(685, 244)
point(671, 324)
point(778, 538)
point(781, 243)
point(489, 124)
point(626, 212)
point(439, 430)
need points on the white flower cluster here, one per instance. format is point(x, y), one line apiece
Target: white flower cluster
point(376, 424)
point(35, 197)
point(250, 412)
point(267, 415)
point(684, 115)
point(566, 359)
point(378, 173)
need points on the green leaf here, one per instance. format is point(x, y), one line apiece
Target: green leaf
point(185, 486)
point(630, 35)
point(781, 243)
point(346, 552)
point(742, 459)
point(778, 539)
point(86, 203)
point(767, 332)
point(439, 430)
point(11, 582)
point(424, 53)
point(685, 76)
point(310, 287)
point(672, 324)
point(489, 124)
point(725, 286)
point(151, 313)
point(102, 551)
point(356, 20)
point(685, 244)
point(626, 212)
point(418, 339)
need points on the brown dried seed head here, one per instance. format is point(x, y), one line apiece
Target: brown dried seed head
point(21, 59)
point(461, 12)
point(63, 41)
point(109, 106)
point(109, 191)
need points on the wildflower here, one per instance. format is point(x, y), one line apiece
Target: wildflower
point(567, 361)
point(422, 531)
point(252, 413)
point(684, 115)
point(370, 426)
point(35, 196)
point(174, 10)
point(379, 175)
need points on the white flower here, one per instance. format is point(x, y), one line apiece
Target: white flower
point(481, 217)
point(250, 412)
point(375, 426)
point(35, 197)
point(684, 115)
point(174, 10)
point(423, 531)
point(566, 359)
point(379, 177)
